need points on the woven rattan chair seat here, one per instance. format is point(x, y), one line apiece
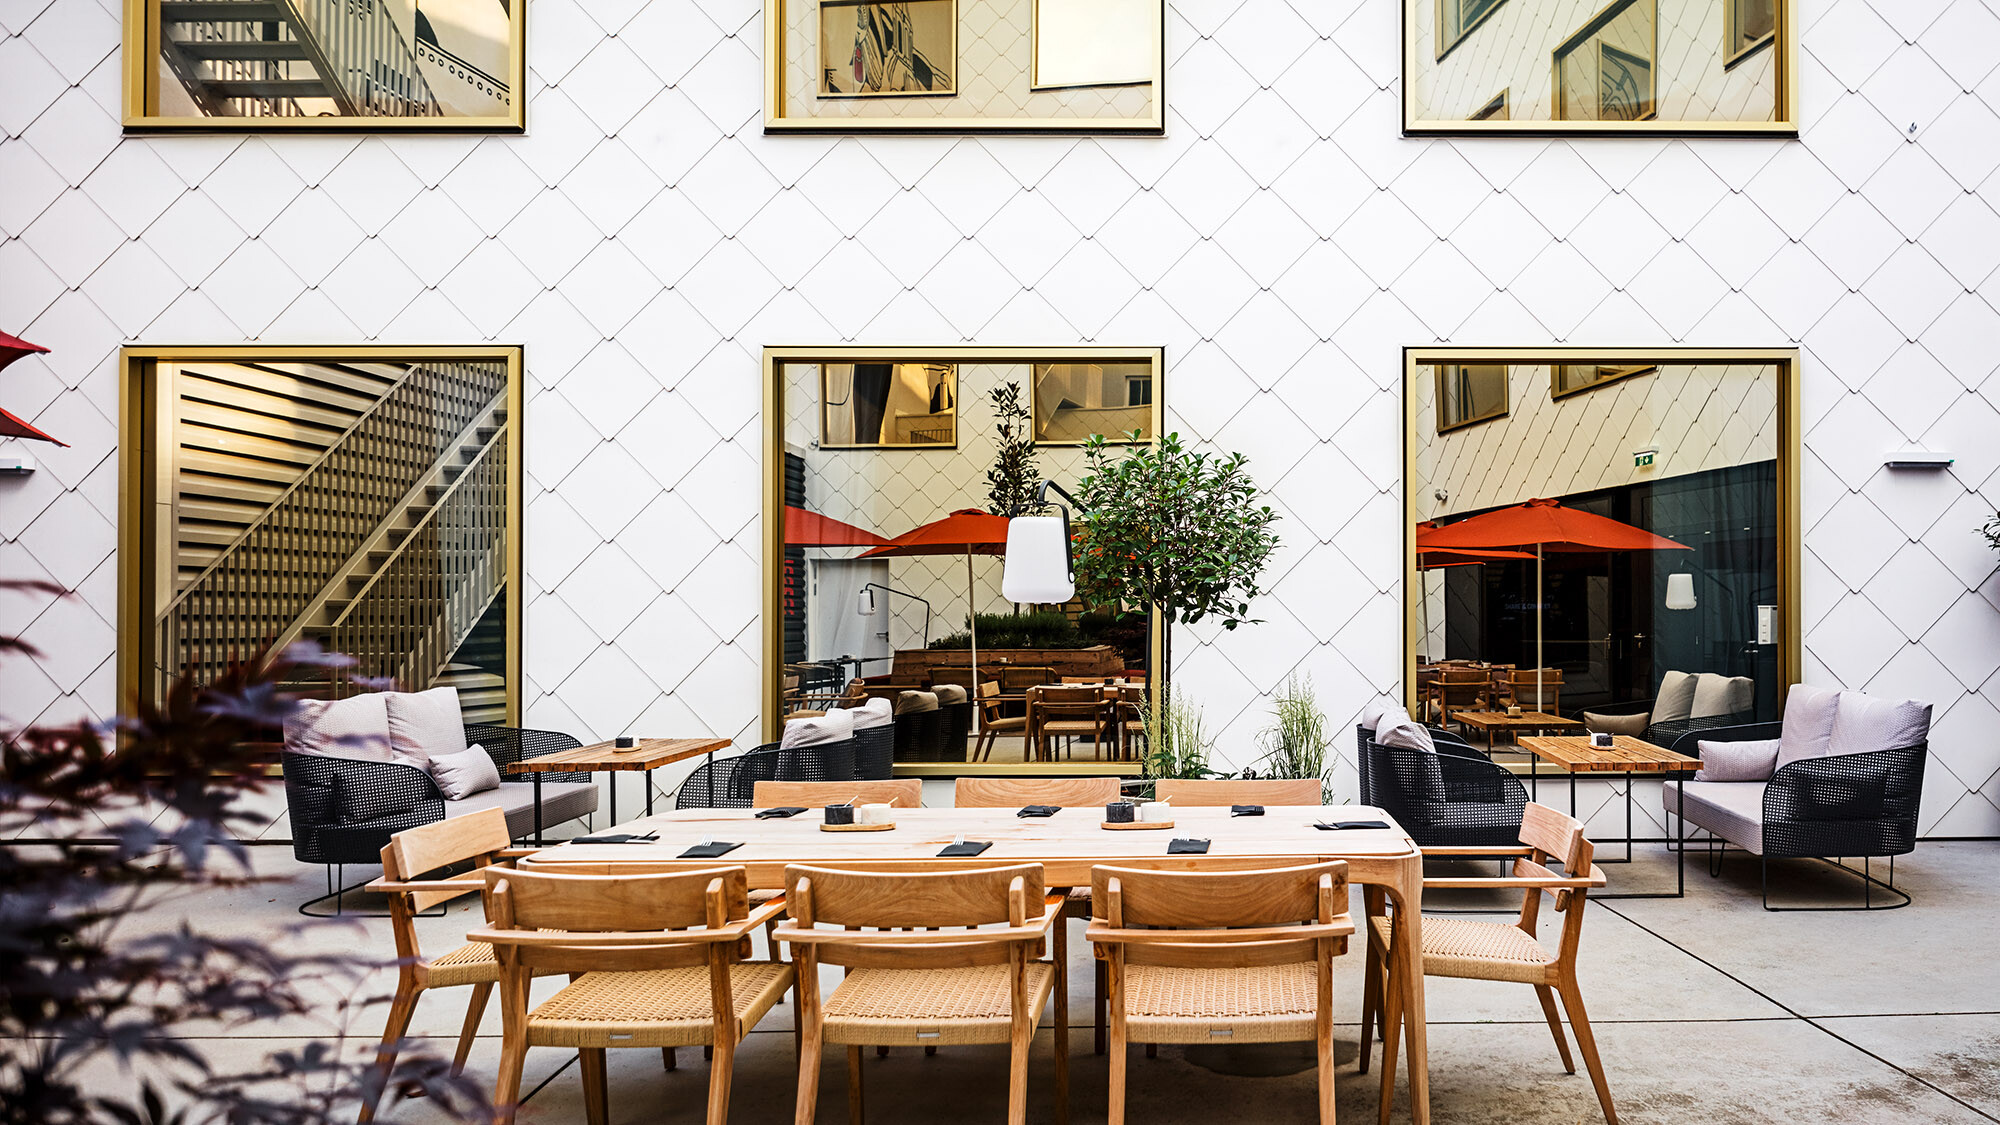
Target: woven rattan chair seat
point(1258, 1004)
point(927, 1007)
point(654, 1008)
point(471, 963)
point(1070, 726)
point(1010, 722)
point(1463, 947)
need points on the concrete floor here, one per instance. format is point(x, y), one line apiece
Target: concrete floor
point(1707, 1009)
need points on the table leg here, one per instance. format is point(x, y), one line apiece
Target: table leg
point(611, 783)
point(538, 809)
point(647, 777)
point(1408, 935)
point(1680, 856)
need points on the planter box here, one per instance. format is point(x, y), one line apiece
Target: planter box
point(914, 665)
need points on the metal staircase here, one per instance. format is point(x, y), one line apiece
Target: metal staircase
point(391, 545)
point(293, 58)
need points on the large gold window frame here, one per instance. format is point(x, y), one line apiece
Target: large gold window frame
point(1784, 122)
point(1417, 363)
point(771, 689)
point(138, 480)
point(141, 94)
point(776, 120)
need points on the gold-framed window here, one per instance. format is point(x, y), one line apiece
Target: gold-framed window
point(1470, 393)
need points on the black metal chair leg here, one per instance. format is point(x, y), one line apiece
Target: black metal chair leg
point(1868, 885)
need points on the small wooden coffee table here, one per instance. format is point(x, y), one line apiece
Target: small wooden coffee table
point(1573, 754)
point(1487, 722)
point(648, 755)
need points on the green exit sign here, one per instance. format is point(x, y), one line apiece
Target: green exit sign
point(1643, 459)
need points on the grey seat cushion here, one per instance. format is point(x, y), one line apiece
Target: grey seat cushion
point(1676, 699)
point(1716, 695)
point(1863, 723)
point(560, 801)
point(1633, 725)
point(1733, 810)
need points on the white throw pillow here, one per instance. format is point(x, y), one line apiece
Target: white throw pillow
point(1716, 695)
point(1371, 715)
point(834, 726)
point(1807, 731)
point(1676, 699)
point(425, 724)
point(357, 727)
point(1737, 761)
point(877, 712)
point(460, 775)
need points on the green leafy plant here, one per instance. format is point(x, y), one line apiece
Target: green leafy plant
point(1177, 744)
point(1046, 629)
point(1172, 530)
point(1296, 742)
point(1015, 476)
point(1991, 530)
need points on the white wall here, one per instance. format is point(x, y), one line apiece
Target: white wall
point(1281, 241)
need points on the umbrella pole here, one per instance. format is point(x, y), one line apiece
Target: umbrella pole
point(1540, 609)
point(972, 623)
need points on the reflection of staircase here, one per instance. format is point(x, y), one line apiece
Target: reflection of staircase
point(263, 58)
point(390, 546)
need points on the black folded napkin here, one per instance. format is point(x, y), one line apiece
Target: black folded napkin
point(1246, 810)
point(1039, 810)
point(1351, 824)
point(788, 810)
point(1188, 847)
point(970, 847)
point(617, 838)
point(710, 851)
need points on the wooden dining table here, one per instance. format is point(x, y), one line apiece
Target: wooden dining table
point(1385, 861)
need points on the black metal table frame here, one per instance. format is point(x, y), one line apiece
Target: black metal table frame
point(611, 784)
point(1676, 844)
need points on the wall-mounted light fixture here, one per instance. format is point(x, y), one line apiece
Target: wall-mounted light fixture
point(864, 605)
point(15, 464)
point(1917, 459)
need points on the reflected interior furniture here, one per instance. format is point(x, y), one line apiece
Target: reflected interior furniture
point(1067, 844)
point(1487, 723)
point(902, 792)
point(476, 839)
point(1455, 795)
point(1856, 797)
point(1462, 689)
point(645, 756)
point(1711, 700)
point(921, 970)
point(1573, 755)
point(730, 783)
point(1133, 741)
point(875, 751)
point(1533, 689)
point(656, 960)
point(1260, 971)
point(1066, 712)
point(1191, 793)
point(322, 790)
point(992, 707)
point(1015, 678)
point(1476, 950)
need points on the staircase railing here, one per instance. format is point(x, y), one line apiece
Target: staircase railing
point(370, 58)
point(417, 610)
point(278, 566)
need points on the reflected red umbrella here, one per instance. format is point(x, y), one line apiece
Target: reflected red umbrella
point(967, 532)
point(811, 529)
point(13, 348)
point(1429, 558)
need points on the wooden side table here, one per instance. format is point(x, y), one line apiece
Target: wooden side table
point(650, 754)
point(1573, 754)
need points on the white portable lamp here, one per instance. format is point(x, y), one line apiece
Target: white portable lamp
point(1680, 591)
point(1038, 569)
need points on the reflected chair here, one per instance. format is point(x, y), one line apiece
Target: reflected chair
point(1068, 712)
point(1257, 968)
point(1534, 690)
point(655, 961)
point(994, 721)
point(932, 959)
point(1214, 794)
point(1502, 951)
point(1132, 723)
point(1462, 689)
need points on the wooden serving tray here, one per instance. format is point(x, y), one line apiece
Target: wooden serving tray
point(1135, 825)
point(824, 827)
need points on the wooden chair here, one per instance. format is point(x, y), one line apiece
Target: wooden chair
point(922, 973)
point(655, 961)
point(994, 721)
point(902, 792)
point(1462, 689)
point(1456, 946)
point(1521, 688)
point(1230, 957)
point(1266, 791)
point(1132, 721)
point(473, 838)
point(1016, 792)
point(1069, 711)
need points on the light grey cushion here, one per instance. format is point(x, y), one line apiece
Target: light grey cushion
point(948, 694)
point(460, 775)
point(1737, 761)
point(1676, 699)
point(1808, 728)
point(1397, 728)
point(910, 702)
point(834, 726)
point(1716, 695)
point(1733, 810)
point(877, 712)
point(560, 801)
point(357, 727)
point(1634, 725)
point(424, 724)
point(1864, 722)
point(1371, 715)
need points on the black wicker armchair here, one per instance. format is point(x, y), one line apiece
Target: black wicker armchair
point(1456, 797)
point(1840, 806)
point(731, 783)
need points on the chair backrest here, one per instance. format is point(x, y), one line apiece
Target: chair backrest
point(580, 907)
point(1257, 902)
point(1542, 694)
point(1068, 699)
point(416, 851)
point(903, 792)
point(1014, 792)
point(1557, 836)
point(934, 900)
point(1267, 791)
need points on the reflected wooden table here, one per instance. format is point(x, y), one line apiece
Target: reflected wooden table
point(1487, 722)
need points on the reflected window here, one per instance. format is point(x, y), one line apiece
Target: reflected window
point(1569, 378)
point(1469, 393)
point(1495, 110)
point(1457, 17)
point(1605, 71)
point(1076, 400)
point(870, 405)
point(1751, 24)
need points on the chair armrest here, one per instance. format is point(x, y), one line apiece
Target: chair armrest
point(1101, 933)
point(419, 886)
point(511, 745)
point(1594, 879)
point(1873, 787)
point(1687, 742)
point(1491, 851)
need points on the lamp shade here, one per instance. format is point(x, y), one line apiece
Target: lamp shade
point(1037, 568)
point(1680, 591)
point(864, 602)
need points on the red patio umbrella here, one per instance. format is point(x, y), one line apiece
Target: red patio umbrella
point(11, 349)
point(811, 529)
point(967, 532)
point(1545, 525)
